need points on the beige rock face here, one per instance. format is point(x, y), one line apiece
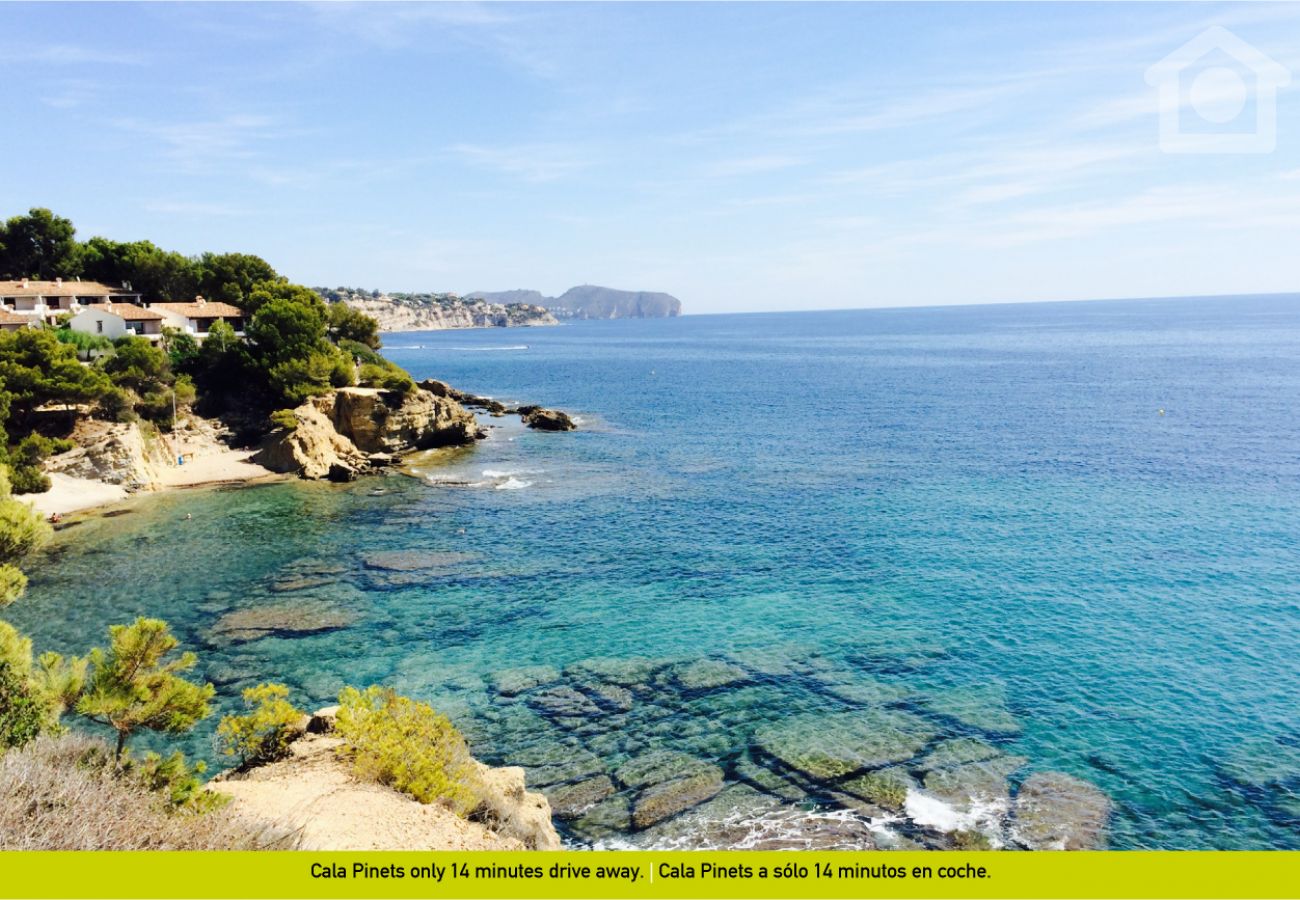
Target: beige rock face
point(114, 453)
point(395, 315)
point(314, 795)
point(314, 449)
point(390, 422)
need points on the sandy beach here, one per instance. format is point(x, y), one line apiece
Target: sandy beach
point(211, 464)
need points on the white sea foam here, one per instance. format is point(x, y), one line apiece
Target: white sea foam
point(513, 484)
point(509, 473)
point(488, 349)
point(929, 811)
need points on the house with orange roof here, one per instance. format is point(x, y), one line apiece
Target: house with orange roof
point(197, 318)
point(44, 300)
point(12, 321)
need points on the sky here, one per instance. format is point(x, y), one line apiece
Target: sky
point(741, 157)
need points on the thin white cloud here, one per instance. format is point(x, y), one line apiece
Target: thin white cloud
point(66, 55)
point(194, 143)
point(750, 165)
point(529, 162)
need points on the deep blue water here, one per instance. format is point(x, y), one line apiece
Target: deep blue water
point(1081, 519)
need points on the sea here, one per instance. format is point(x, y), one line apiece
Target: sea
point(1069, 531)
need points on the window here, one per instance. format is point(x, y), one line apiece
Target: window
point(99, 326)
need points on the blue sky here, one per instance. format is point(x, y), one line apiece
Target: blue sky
point(742, 157)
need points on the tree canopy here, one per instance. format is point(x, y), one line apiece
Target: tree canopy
point(38, 245)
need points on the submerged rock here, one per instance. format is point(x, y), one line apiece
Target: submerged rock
point(885, 788)
point(569, 801)
point(662, 801)
point(975, 781)
point(984, 708)
point(863, 690)
point(767, 781)
point(631, 671)
point(956, 752)
point(1055, 811)
point(742, 819)
point(563, 701)
point(658, 766)
point(1264, 763)
point(707, 674)
point(281, 619)
point(827, 747)
point(301, 583)
point(414, 560)
point(511, 682)
point(607, 818)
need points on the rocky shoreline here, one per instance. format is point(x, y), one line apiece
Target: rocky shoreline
point(877, 763)
point(355, 430)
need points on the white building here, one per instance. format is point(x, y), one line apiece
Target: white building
point(115, 320)
point(45, 300)
point(197, 318)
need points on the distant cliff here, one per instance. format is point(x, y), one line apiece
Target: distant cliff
point(429, 312)
point(593, 302)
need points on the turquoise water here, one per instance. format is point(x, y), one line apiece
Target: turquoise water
point(980, 512)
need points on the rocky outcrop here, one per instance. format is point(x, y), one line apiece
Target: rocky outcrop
point(313, 448)
point(546, 419)
point(435, 312)
point(392, 422)
point(113, 453)
point(339, 435)
point(314, 795)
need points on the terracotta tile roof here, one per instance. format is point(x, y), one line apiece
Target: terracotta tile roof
point(55, 289)
point(128, 311)
point(209, 309)
point(11, 318)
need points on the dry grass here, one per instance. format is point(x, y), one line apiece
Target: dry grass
point(51, 800)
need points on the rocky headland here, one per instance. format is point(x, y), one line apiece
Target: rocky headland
point(314, 796)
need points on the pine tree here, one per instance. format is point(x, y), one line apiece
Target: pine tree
point(130, 686)
point(22, 530)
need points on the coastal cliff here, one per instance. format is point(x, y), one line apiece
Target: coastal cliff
point(590, 301)
point(313, 795)
point(433, 312)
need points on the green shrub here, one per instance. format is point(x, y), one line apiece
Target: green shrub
point(387, 376)
point(117, 405)
point(22, 714)
point(174, 778)
point(360, 352)
point(406, 745)
point(32, 450)
point(284, 418)
point(30, 480)
point(264, 734)
point(61, 445)
point(184, 390)
point(156, 406)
